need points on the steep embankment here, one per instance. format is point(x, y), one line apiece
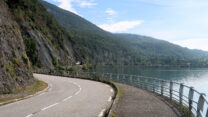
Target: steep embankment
point(103, 47)
point(15, 69)
point(47, 43)
point(30, 37)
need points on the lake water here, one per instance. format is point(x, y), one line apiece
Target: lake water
point(196, 77)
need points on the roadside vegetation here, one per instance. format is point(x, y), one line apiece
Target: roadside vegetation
point(23, 92)
point(120, 95)
point(120, 91)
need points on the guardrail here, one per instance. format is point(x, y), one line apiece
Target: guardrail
point(195, 101)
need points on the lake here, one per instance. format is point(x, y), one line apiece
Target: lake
point(196, 77)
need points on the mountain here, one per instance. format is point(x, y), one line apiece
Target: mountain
point(36, 34)
point(152, 46)
point(104, 47)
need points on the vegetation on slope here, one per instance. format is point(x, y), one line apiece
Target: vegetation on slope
point(106, 48)
point(39, 27)
point(15, 69)
point(161, 52)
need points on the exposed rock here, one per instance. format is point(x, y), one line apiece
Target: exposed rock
point(15, 70)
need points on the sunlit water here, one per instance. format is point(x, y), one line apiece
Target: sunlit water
point(196, 77)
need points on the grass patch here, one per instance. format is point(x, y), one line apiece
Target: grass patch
point(183, 109)
point(37, 86)
point(113, 114)
point(120, 91)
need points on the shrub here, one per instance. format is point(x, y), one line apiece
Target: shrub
point(55, 62)
point(31, 49)
point(97, 76)
point(84, 67)
point(16, 61)
point(10, 69)
point(25, 59)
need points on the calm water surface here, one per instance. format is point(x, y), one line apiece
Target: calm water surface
point(196, 77)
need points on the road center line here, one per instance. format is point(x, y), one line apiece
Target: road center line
point(43, 109)
point(67, 98)
point(78, 92)
point(49, 106)
point(30, 115)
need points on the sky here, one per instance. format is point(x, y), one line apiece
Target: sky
point(183, 22)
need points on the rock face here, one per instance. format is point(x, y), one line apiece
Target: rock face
point(15, 68)
point(47, 43)
point(29, 38)
point(46, 51)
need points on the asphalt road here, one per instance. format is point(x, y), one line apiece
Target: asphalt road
point(66, 97)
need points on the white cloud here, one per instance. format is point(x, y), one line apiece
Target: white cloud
point(110, 11)
point(67, 4)
point(87, 4)
point(120, 26)
point(178, 3)
point(193, 43)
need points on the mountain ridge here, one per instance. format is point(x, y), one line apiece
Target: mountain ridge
point(116, 49)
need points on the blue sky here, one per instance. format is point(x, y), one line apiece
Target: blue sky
point(183, 22)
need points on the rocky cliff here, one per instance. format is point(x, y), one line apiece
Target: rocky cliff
point(47, 43)
point(15, 68)
point(31, 38)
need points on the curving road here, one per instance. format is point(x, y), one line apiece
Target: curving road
point(66, 97)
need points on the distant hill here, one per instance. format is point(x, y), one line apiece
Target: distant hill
point(103, 47)
point(152, 46)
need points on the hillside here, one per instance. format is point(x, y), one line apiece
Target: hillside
point(31, 38)
point(152, 46)
point(163, 52)
point(106, 48)
point(47, 43)
point(15, 68)
point(35, 36)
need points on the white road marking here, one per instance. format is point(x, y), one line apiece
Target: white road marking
point(30, 115)
point(67, 98)
point(101, 113)
point(49, 106)
point(50, 85)
point(111, 90)
point(77, 92)
point(109, 99)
